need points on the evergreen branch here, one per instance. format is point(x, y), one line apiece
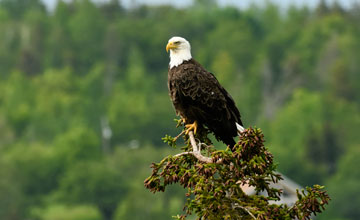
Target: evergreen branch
point(215, 183)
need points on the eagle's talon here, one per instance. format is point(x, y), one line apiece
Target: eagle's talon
point(183, 120)
point(190, 127)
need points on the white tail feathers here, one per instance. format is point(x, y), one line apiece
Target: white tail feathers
point(239, 128)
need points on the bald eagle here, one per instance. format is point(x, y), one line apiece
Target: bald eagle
point(198, 97)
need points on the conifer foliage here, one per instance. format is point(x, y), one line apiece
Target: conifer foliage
point(214, 188)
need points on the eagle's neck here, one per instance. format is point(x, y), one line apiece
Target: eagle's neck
point(178, 57)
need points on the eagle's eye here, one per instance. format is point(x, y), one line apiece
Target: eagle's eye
point(177, 42)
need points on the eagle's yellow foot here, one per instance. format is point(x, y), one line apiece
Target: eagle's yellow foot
point(190, 127)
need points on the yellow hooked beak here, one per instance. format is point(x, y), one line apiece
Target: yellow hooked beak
point(170, 46)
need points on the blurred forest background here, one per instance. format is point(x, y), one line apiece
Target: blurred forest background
point(84, 103)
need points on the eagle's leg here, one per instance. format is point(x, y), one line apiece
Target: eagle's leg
point(190, 127)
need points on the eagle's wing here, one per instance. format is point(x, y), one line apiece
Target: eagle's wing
point(203, 98)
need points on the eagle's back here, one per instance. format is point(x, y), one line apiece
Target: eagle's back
point(197, 95)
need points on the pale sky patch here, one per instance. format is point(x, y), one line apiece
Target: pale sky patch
point(238, 3)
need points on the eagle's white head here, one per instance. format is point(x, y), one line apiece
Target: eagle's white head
point(180, 51)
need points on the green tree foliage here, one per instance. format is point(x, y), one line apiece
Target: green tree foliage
point(86, 29)
point(94, 183)
point(86, 84)
point(73, 212)
point(337, 185)
point(18, 8)
point(310, 143)
point(10, 188)
point(214, 188)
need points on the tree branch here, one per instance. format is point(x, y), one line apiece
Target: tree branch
point(193, 142)
point(196, 150)
point(247, 210)
point(175, 138)
point(183, 153)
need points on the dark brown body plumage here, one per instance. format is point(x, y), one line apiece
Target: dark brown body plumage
point(198, 96)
